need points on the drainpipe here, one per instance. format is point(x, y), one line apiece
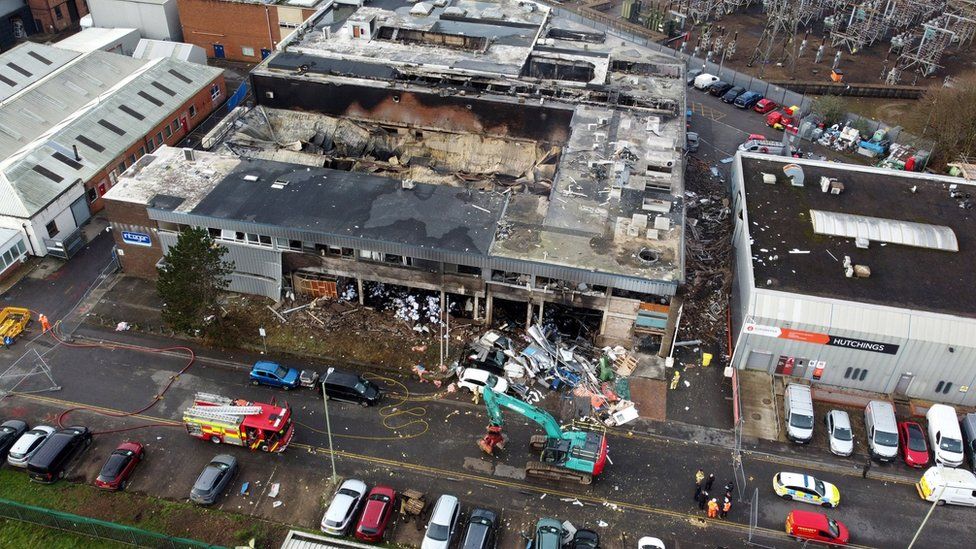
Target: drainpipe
point(267, 17)
point(29, 242)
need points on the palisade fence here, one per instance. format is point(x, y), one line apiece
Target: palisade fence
point(94, 528)
point(614, 27)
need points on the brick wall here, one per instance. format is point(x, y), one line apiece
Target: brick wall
point(231, 26)
point(179, 123)
point(135, 260)
point(56, 15)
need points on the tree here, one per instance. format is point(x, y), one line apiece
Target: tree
point(831, 108)
point(191, 277)
point(950, 118)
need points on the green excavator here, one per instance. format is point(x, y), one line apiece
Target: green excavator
point(565, 454)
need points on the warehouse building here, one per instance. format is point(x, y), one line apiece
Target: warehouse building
point(856, 277)
point(71, 122)
point(516, 163)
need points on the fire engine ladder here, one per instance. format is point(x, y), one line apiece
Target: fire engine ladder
point(229, 414)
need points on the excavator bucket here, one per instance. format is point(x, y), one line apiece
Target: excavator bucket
point(492, 439)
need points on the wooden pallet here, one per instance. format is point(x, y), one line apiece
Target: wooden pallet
point(625, 365)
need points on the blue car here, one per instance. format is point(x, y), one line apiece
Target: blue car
point(748, 100)
point(274, 374)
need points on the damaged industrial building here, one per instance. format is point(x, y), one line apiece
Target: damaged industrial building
point(520, 166)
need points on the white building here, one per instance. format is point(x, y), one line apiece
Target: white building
point(155, 49)
point(156, 19)
point(120, 41)
point(855, 276)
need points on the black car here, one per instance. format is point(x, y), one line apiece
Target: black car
point(481, 531)
point(214, 479)
point(50, 461)
point(10, 431)
point(719, 88)
point(692, 74)
point(733, 94)
point(585, 539)
point(343, 385)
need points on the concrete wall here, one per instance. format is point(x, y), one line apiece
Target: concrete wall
point(134, 259)
point(157, 20)
point(237, 25)
point(57, 15)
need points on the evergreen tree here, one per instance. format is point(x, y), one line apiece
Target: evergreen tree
point(191, 277)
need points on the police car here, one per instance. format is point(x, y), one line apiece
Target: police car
point(800, 487)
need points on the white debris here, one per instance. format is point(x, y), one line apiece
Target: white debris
point(273, 492)
point(122, 327)
point(276, 504)
point(601, 524)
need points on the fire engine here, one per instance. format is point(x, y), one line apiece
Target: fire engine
point(254, 425)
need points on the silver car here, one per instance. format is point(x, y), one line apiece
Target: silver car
point(27, 444)
point(443, 523)
point(214, 479)
point(839, 432)
point(342, 511)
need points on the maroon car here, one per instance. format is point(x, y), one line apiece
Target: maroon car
point(117, 470)
point(914, 449)
point(376, 514)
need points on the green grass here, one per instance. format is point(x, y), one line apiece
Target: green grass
point(25, 535)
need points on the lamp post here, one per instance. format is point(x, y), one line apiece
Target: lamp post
point(328, 428)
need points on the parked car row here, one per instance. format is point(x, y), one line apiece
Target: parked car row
point(337, 384)
point(44, 451)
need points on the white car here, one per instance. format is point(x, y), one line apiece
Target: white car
point(27, 444)
point(839, 432)
point(704, 80)
point(474, 380)
point(647, 542)
point(443, 523)
point(341, 512)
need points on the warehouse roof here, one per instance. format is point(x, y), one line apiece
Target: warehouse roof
point(22, 66)
point(103, 131)
point(907, 219)
point(94, 39)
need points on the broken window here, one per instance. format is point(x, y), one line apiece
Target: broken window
point(468, 270)
point(370, 255)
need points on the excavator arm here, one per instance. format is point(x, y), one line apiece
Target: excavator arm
point(494, 402)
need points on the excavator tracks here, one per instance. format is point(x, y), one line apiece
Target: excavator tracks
point(537, 469)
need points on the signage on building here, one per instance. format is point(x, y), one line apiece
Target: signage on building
point(136, 239)
point(820, 339)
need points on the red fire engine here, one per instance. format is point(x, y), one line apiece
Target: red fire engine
point(255, 425)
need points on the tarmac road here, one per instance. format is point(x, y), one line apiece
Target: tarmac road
point(418, 440)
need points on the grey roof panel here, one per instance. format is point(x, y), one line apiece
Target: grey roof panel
point(23, 66)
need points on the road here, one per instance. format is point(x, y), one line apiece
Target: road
point(423, 440)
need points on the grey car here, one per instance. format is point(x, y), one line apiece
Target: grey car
point(214, 479)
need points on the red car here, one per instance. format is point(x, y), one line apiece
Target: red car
point(816, 526)
point(764, 106)
point(117, 470)
point(376, 514)
point(914, 449)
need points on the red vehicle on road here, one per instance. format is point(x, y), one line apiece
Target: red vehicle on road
point(816, 526)
point(764, 106)
point(779, 120)
point(376, 514)
point(914, 449)
point(117, 470)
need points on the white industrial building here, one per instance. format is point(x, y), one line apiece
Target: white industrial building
point(156, 49)
point(855, 276)
point(120, 41)
point(156, 19)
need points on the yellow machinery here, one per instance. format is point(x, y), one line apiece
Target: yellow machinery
point(13, 321)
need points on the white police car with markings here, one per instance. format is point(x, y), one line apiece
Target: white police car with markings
point(804, 488)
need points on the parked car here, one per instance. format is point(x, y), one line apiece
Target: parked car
point(806, 489)
point(350, 387)
point(273, 374)
point(475, 380)
point(816, 526)
point(778, 119)
point(443, 523)
point(732, 94)
point(376, 514)
point(692, 75)
point(584, 539)
point(914, 449)
point(968, 425)
point(798, 413)
point(947, 485)
point(839, 432)
point(214, 479)
point(764, 105)
point(10, 431)
point(120, 465)
point(693, 141)
point(882, 430)
point(482, 530)
point(748, 100)
point(945, 436)
point(27, 444)
point(648, 542)
point(719, 88)
point(548, 534)
point(341, 511)
point(704, 80)
point(52, 458)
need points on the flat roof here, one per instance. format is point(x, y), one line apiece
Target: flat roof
point(788, 255)
point(94, 38)
point(23, 65)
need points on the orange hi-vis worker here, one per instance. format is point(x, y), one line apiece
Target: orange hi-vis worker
point(713, 508)
point(726, 507)
point(45, 324)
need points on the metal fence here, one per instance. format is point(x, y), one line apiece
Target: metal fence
point(94, 528)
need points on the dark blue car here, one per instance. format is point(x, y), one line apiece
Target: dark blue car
point(274, 374)
point(748, 100)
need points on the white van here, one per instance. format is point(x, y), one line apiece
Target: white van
point(882, 430)
point(763, 146)
point(798, 407)
point(955, 486)
point(703, 81)
point(945, 436)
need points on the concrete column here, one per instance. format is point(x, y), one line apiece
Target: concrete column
point(359, 287)
point(542, 304)
point(528, 313)
point(489, 301)
point(476, 303)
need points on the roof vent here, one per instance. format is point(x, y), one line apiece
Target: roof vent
point(188, 155)
point(250, 178)
point(831, 185)
point(279, 184)
point(408, 184)
point(862, 242)
point(769, 178)
point(795, 174)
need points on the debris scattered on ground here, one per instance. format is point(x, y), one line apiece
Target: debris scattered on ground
point(122, 327)
point(273, 492)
